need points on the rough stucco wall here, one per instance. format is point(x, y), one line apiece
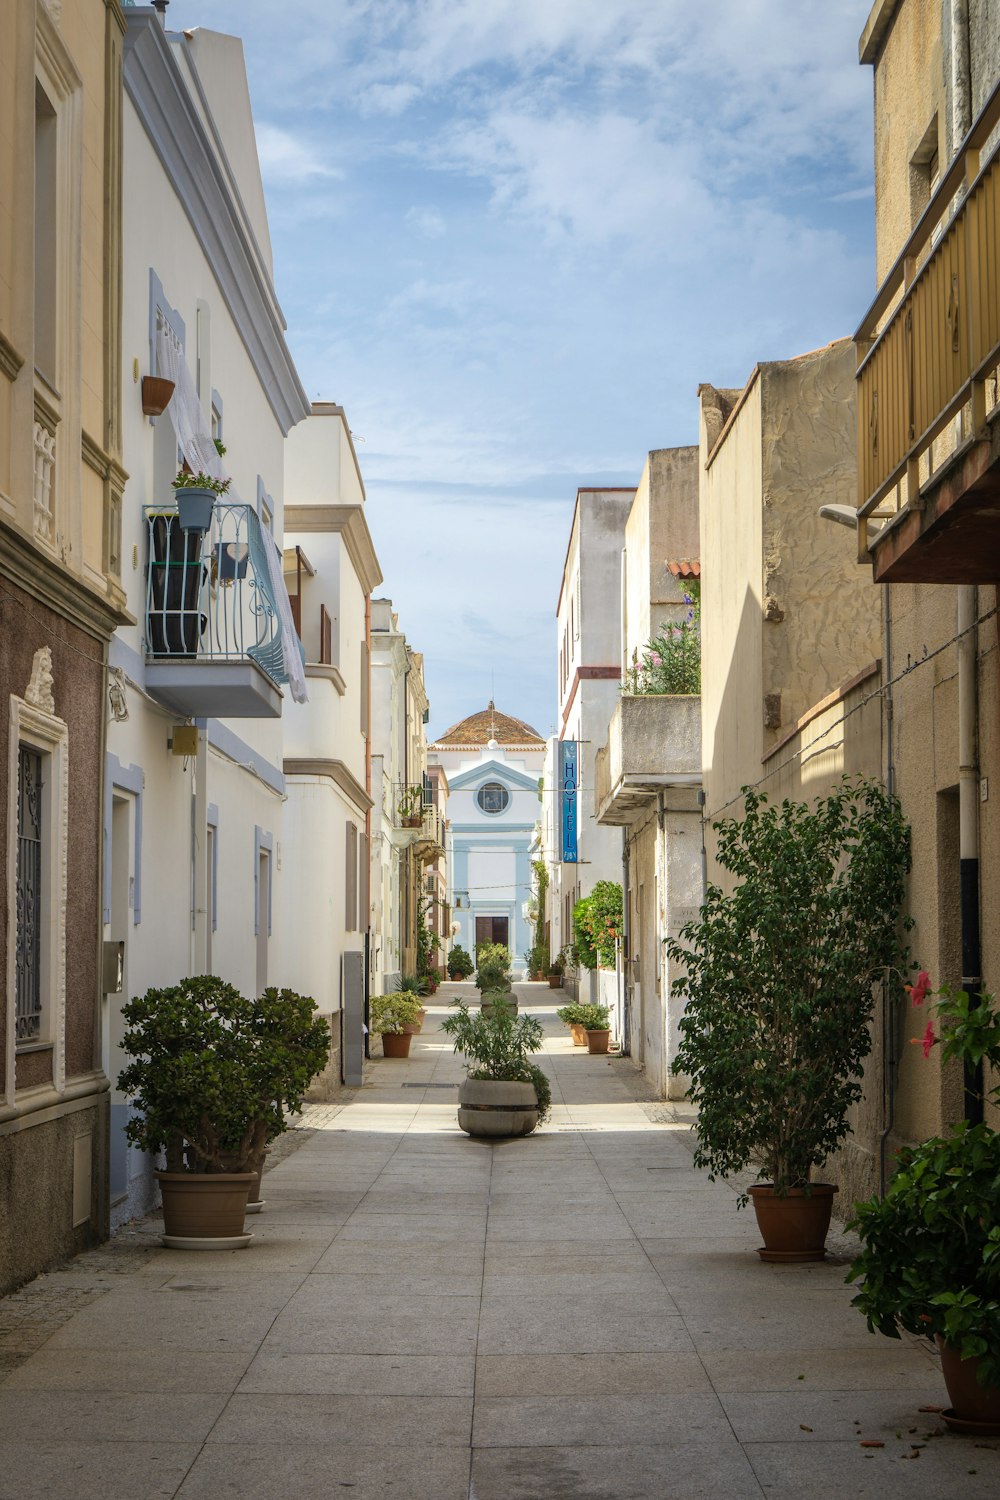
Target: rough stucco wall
point(984, 50)
point(637, 570)
point(909, 87)
point(603, 517)
point(821, 612)
point(732, 734)
point(673, 526)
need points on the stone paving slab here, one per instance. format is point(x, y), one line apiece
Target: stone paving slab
point(424, 1317)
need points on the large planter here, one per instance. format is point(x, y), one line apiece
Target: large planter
point(200, 1208)
point(975, 1408)
point(598, 1041)
point(794, 1225)
point(194, 508)
point(497, 1107)
point(396, 1043)
point(578, 1033)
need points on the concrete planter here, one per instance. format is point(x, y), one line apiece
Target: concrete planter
point(497, 1107)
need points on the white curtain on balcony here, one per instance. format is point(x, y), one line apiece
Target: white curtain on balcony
point(198, 447)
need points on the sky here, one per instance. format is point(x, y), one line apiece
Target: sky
point(511, 237)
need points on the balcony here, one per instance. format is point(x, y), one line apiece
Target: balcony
point(928, 352)
point(212, 634)
point(414, 821)
point(653, 749)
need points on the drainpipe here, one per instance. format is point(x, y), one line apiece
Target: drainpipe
point(968, 646)
point(968, 815)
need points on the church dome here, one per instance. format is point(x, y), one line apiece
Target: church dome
point(488, 727)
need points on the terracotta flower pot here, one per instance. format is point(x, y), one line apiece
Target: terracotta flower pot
point(555, 981)
point(794, 1226)
point(497, 1107)
point(204, 1205)
point(156, 394)
point(598, 1041)
point(396, 1043)
point(579, 1034)
point(975, 1408)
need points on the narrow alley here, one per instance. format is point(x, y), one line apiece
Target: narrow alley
point(574, 1314)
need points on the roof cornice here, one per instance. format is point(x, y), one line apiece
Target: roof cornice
point(349, 521)
point(161, 99)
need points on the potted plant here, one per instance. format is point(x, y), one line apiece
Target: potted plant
point(930, 1262)
point(572, 1016)
point(492, 967)
point(411, 807)
point(460, 963)
point(394, 1017)
point(595, 1020)
point(505, 1093)
point(212, 1077)
point(555, 972)
point(506, 998)
point(779, 982)
point(196, 496)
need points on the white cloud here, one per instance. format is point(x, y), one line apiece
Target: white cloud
point(287, 159)
point(428, 222)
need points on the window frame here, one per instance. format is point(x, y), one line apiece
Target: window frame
point(489, 786)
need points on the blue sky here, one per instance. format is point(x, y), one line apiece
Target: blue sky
point(512, 236)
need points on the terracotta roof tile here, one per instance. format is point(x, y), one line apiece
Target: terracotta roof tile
point(685, 567)
point(490, 724)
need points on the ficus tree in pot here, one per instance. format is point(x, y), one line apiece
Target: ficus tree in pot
point(930, 1262)
point(779, 982)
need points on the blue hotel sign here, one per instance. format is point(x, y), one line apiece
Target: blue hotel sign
point(568, 782)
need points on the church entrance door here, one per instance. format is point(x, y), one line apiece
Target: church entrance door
point(492, 930)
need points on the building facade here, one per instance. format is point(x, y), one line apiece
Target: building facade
point(195, 791)
point(493, 763)
point(323, 934)
point(61, 596)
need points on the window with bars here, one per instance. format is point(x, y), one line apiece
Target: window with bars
point(28, 898)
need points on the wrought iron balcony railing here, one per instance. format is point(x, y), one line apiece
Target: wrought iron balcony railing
point(931, 339)
point(208, 595)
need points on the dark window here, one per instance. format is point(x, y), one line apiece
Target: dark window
point(28, 959)
point(493, 797)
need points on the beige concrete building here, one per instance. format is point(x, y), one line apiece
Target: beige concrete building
point(61, 481)
point(648, 773)
point(929, 482)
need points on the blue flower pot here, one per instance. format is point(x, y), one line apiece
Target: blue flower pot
point(194, 509)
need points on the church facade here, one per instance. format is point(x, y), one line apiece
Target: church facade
point(493, 763)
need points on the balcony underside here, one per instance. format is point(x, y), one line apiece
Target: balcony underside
point(214, 689)
point(954, 537)
point(635, 797)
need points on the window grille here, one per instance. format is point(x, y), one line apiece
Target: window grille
point(28, 908)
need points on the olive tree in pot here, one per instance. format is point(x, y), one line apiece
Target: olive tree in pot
point(930, 1262)
point(213, 1076)
point(505, 1094)
point(780, 977)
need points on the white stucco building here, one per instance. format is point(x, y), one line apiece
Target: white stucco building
point(194, 783)
point(493, 764)
point(322, 930)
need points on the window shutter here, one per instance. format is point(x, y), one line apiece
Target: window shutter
point(366, 870)
point(351, 883)
point(325, 637)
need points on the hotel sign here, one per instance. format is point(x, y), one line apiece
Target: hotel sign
point(568, 783)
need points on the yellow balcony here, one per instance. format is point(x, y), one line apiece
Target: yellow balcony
point(928, 351)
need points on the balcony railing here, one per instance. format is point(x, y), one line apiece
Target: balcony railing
point(931, 339)
point(210, 604)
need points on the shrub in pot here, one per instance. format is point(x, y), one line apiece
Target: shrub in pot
point(213, 1076)
point(505, 998)
point(572, 1016)
point(555, 972)
point(460, 963)
point(394, 1017)
point(930, 1262)
point(779, 984)
point(596, 1022)
point(505, 1093)
point(492, 967)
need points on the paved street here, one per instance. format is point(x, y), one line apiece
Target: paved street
point(578, 1314)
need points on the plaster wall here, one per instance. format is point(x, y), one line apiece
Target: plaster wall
point(662, 527)
point(731, 537)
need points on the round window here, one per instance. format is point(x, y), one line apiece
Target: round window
point(493, 797)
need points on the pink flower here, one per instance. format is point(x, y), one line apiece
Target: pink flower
point(919, 990)
point(653, 659)
point(929, 1039)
